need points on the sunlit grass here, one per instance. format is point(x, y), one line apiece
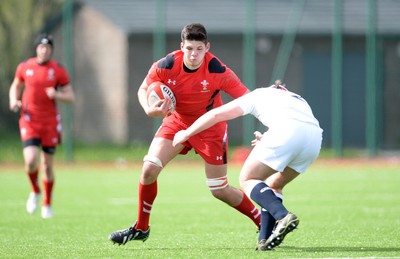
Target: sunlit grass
point(347, 209)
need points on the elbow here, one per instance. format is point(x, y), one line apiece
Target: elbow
point(217, 117)
point(71, 98)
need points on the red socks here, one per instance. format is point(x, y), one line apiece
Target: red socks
point(247, 208)
point(33, 179)
point(147, 195)
point(48, 190)
point(47, 186)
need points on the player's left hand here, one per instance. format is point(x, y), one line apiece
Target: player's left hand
point(257, 136)
point(15, 105)
point(51, 92)
point(180, 137)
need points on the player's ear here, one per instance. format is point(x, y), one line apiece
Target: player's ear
point(182, 45)
point(208, 46)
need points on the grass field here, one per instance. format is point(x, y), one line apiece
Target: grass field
point(348, 208)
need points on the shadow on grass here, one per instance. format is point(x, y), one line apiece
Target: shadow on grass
point(290, 249)
point(341, 249)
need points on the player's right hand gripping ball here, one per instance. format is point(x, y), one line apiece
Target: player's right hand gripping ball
point(158, 91)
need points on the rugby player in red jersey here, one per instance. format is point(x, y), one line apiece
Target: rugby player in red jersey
point(196, 78)
point(41, 81)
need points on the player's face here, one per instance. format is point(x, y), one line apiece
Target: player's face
point(43, 52)
point(194, 52)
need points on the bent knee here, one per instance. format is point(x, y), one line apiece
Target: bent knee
point(218, 186)
point(150, 172)
point(31, 165)
point(276, 189)
point(153, 160)
point(220, 194)
point(275, 185)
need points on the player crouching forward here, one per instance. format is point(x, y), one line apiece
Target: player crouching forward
point(287, 149)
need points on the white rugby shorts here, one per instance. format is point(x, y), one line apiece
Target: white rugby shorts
point(296, 146)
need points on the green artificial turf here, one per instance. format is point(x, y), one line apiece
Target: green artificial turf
point(346, 210)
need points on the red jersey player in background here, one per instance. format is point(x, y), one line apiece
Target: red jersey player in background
point(45, 82)
point(196, 77)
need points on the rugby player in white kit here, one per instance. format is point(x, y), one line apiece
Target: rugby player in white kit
point(289, 146)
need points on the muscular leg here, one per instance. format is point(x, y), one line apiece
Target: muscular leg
point(276, 182)
point(161, 150)
point(47, 166)
point(229, 194)
point(31, 154)
point(252, 178)
point(48, 177)
point(279, 180)
point(160, 153)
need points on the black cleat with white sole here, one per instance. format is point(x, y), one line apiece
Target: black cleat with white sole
point(282, 228)
point(121, 237)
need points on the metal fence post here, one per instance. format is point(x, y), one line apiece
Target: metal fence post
point(68, 62)
point(337, 85)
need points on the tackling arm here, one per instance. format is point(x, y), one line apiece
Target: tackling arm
point(226, 112)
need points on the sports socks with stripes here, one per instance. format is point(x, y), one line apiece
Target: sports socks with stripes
point(247, 208)
point(147, 195)
point(265, 197)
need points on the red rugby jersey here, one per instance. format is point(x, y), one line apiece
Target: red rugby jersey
point(198, 91)
point(36, 77)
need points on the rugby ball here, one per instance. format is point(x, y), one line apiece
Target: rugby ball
point(158, 91)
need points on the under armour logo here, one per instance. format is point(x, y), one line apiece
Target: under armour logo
point(218, 158)
point(170, 81)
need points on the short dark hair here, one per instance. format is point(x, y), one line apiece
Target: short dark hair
point(44, 38)
point(194, 31)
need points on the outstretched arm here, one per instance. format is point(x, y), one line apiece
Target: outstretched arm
point(226, 112)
